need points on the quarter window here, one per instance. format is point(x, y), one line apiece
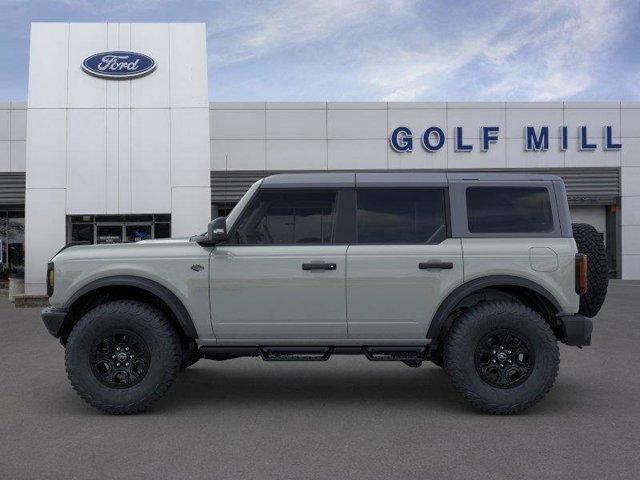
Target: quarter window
point(402, 215)
point(509, 210)
point(280, 217)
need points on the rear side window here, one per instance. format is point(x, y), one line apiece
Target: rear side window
point(402, 215)
point(509, 210)
point(281, 217)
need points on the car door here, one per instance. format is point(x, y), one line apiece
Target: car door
point(402, 263)
point(281, 276)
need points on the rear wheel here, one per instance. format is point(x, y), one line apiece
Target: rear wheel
point(122, 356)
point(590, 243)
point(502, 357)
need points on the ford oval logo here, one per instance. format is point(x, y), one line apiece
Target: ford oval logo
point(118, 65)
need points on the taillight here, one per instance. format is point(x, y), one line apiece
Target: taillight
point(581, 273)
point(51, 278)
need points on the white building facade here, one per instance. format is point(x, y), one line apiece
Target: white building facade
point(108, 160)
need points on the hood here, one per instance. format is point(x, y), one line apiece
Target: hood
point(168, 247)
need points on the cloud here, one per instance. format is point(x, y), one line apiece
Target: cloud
point(408, 50)
point(260, 29)
point(540, 51)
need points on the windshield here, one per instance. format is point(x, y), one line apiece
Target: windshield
point(233, 215)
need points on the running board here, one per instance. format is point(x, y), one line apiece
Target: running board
point(395, 354)
point(410, 354)
point(295, 354)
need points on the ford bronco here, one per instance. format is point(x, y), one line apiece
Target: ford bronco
point(480, 273)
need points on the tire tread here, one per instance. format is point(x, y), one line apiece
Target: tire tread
point(163, 329)
point(458, 337)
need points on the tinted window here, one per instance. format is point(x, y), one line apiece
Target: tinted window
point(287, 217)
point(402, 215)
point(509, 210)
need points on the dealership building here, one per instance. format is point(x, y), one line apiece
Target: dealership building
point(117, 141)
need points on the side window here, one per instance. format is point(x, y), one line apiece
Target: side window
point(401, 215)
point(509, 210)
point(280, 217)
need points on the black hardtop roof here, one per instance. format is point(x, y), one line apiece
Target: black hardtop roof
point(396, 179)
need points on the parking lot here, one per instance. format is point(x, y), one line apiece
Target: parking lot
point(346, 418)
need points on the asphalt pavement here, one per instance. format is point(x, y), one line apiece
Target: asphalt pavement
point(346, 418)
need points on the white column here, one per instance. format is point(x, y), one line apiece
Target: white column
point(630, 177)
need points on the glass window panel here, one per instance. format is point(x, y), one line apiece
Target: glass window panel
point(509, 210)
point(162, 230)
point(109, 234)
point(286, 217)
point(82, 232)
point(162, 218)
point(135, 233)
point(401, 215)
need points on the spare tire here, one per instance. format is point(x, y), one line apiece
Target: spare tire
point(590, 243)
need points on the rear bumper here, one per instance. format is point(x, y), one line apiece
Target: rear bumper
point(53, 319)
point(575, 330)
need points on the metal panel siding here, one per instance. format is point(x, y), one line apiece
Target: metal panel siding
point(228, 187)
point(599, 186)
point(12, 189)
point(585, 186)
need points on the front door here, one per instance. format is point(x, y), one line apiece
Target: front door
point(281, 276)
point(402, 263)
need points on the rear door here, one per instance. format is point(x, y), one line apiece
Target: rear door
point(402, 263)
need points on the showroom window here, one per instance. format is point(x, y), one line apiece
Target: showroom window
point(288, 217)
point(509, 210)
point(98, 229)
point(11, 243)
point(401, 215)
point(221, 209)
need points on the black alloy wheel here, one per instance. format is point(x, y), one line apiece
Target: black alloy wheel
point(120, 359)
point(504, 358)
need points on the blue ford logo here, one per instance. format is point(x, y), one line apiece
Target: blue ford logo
point(118, 65)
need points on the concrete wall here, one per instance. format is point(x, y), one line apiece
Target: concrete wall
point(98, 146)
point(630, 178)
point(346, 135)
point(13, 136)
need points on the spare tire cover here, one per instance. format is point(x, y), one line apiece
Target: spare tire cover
point(590, 243)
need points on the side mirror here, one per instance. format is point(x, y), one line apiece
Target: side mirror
point(217, 230)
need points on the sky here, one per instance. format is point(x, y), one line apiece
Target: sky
point(377, 50)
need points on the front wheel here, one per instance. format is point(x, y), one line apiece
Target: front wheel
point(122, 356)
point(502, 357)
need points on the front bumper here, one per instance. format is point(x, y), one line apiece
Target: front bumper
point(575, 330)
point(53, 319)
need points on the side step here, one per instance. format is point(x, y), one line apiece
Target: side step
point(295, 354)
point(395, 354)
point(409, 354)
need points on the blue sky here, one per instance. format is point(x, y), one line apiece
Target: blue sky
point(363, 50)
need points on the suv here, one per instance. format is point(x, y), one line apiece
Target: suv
point(480, 273)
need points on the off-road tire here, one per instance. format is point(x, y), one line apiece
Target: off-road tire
point(147, 323)
point(469, 331)
point(590, 243)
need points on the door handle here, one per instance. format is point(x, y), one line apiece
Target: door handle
point(319, 266)
point(435, 265)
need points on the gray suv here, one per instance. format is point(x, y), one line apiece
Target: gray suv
point(480, 273)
